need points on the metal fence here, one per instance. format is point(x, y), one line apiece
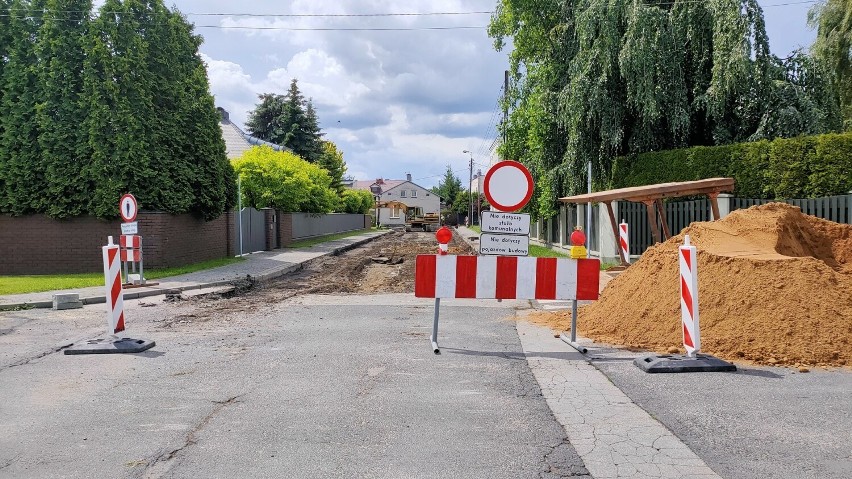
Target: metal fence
point(680, 214)
point(832, 208)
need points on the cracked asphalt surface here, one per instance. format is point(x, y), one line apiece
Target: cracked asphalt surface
point(304, 386)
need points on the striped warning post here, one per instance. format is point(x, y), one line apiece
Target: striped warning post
point(505, 277)
point(689, 297)
point(114, 293)
point(624, 242)
point(134, 255)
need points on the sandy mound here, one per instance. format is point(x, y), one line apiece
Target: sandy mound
point(775, 287)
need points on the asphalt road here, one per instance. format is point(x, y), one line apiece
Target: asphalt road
point(757, 423)
point(317, 386)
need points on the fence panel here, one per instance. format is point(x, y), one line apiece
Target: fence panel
point(833, 208)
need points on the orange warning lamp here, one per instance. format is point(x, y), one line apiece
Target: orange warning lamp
point(444, 235)
point(578, 240)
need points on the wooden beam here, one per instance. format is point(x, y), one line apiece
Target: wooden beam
point(666, 233)
point(652, 220)
point(653, 192)
point(714, 205)
point(615, 232)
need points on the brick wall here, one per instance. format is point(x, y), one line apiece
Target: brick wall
point(285, 228)
point(37, 244)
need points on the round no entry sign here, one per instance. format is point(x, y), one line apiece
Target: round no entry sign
point(128, 208)
point(508, 186)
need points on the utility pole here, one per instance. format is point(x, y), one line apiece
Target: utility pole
point(505, 109)
point(470, 190)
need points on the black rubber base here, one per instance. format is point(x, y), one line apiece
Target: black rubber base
point(668, 363)
point(111, 346)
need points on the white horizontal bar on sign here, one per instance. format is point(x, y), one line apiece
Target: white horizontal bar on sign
point(504, 245)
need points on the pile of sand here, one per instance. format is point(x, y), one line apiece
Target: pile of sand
point(774, 287)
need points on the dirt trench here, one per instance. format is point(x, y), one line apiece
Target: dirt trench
point(351, 272)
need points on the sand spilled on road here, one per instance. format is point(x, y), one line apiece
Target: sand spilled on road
point(775, 287)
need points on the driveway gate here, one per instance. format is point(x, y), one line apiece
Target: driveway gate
point(253, 237)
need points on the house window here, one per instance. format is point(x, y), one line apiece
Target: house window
point(402, 193)
point(414, 193)
point(395, 212)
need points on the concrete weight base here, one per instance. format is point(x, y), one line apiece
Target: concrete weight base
point(678, 363)
point(111, 346)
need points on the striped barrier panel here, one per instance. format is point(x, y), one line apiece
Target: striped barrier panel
point(134, 255)
point(689, 297)
point(506, 277)
point(114, 293)
point(130, 241)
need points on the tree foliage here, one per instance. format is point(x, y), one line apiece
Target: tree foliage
point(63, 147)
point(594, 79)
point(22, 171)
point(92, 107)
point(288, 120)
point(356, 201)
point(833, 48)
point(282, 180)
point(448, 188)
point(332, 160)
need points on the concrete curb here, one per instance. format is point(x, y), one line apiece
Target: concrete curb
point(262, 277)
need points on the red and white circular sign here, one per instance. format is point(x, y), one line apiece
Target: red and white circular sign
point(128, 208)
point(508, 186)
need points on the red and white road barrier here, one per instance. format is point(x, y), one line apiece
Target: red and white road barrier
point(624, 242)
point(134, 255)
point(506, 277)
point(689, 297)
point(130, 241)
point(114, 293)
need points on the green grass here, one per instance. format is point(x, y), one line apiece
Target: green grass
point(537, 251)
point(322, 239)
point(51, 282)
point(475, 228)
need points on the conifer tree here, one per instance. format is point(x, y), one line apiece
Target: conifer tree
point(297, 136)
point(266, 120)
point(315, 148)
point(332, 160)
point(118, 98)
point(63, 146)
point(22, 173)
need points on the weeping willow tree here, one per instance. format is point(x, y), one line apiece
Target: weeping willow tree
point(595, 79)
point(833, 48)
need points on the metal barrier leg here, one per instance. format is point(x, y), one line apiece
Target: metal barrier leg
point(434, 337)
point(573, 340)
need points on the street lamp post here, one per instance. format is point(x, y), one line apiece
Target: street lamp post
point(469, 182)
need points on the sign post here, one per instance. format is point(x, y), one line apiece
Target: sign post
point(130, 243)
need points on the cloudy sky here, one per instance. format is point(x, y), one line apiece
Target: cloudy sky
point(395, 101)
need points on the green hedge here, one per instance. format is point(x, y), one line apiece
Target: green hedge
point(802, 167)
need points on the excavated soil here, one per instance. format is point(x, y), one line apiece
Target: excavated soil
point(774, 287)
point(352, 272)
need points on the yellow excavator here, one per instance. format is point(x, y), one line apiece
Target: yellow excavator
point(416, 219)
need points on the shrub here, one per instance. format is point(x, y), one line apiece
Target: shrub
point(801, 167)
point(282, 180)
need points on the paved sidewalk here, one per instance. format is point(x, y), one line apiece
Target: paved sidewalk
point(261, 267)
point(615, 437)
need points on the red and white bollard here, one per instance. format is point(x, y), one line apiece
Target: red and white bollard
point(624, 242)
point(689, 297)
point(114, 293)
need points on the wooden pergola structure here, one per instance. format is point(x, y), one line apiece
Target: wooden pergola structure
point(652, 196)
